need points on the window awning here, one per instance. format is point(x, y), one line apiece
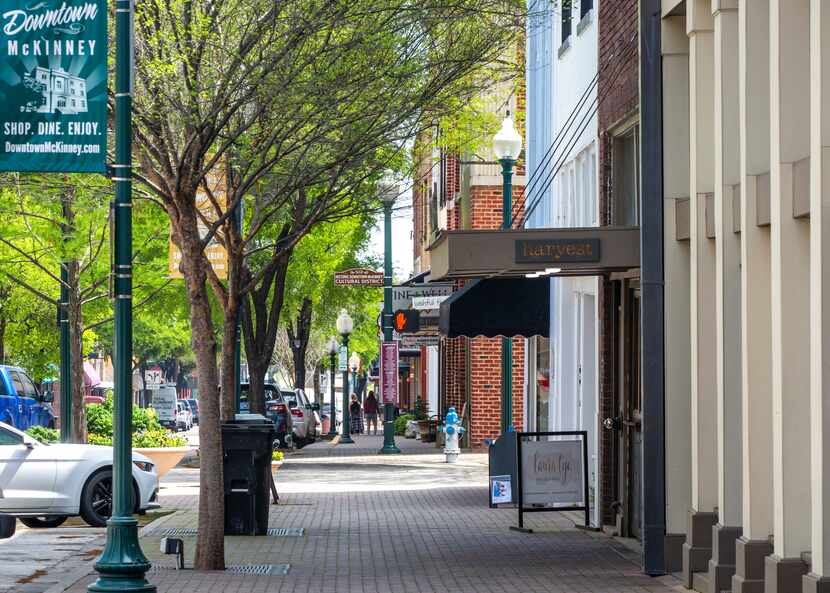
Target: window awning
point(571, 251)
point(498, 307)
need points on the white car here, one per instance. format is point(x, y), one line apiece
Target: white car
point(44, 484)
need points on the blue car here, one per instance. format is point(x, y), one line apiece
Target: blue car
point(21, 405)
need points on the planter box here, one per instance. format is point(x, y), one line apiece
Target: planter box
point(165, 458)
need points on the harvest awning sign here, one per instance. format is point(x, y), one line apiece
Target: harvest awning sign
point(53, 86)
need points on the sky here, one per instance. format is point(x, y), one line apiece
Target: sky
point(401, 239)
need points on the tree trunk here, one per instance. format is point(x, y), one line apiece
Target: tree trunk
point(3, 340)
point(228, 366)
point(257, 369)
point(298, 342)
point(210, 542)
point(76, 374)
point(260, 323)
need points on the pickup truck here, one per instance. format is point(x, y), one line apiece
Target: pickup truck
point(21, 405)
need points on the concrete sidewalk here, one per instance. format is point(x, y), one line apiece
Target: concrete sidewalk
point(395, 524)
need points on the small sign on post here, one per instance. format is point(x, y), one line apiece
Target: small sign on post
point(389, 372)
point(358, 277)
point(343, 359)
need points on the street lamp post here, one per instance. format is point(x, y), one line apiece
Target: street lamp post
point(65, 358)
point(333, 408)
point(388, 194)
point(122, 564)
point(344, 328)
point(507, 144)
point(354, 365)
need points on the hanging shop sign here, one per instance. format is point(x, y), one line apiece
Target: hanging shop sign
point(389, 372)
point(557, 250)
point(53, 86)
point(215, 252)
point(403, 296)
point(428, 303)
point(412, 342)
point(358, 277)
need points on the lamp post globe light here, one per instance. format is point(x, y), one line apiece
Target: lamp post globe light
point(333, 406)
point(388, 193)
point(507, 145)
point(345, 325)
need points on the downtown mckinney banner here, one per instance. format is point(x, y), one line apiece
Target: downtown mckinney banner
point(53, 85)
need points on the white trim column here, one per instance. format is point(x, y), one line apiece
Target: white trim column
point(675, 48)
point(818, 581)
point(756, 313)
point(728, 296)
point(790, 251)
point(698, 547)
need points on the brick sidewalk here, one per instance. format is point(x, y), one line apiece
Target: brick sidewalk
point(366, 530)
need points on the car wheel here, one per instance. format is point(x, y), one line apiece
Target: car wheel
point(7, 526)
point(96, 499)
point(43, 522)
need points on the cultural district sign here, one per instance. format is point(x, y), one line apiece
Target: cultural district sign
point(53, 86)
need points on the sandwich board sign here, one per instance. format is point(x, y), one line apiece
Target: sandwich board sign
point(53, 86)
point(552, 472)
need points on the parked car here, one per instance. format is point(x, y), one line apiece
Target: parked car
point(21, 405)
point(276, 409)
point(325, 412)
point(305, 416)
point(194, 409)
point(42, 485)
point(184, 417)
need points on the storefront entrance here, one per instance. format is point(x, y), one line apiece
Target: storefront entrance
point(628, 421)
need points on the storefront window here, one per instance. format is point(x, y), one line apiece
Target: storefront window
point(542, 387)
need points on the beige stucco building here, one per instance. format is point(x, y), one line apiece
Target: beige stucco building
point(746, 138)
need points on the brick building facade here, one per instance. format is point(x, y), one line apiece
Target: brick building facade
point(618, 92)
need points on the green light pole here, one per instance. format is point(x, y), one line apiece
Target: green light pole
point(388, 194)
point(66, 360)
point(122, 564)
point(507, 144)
point(333, 408)
point(344, 328)
point(237, 355)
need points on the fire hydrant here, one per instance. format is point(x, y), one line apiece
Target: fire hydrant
point(452, 430)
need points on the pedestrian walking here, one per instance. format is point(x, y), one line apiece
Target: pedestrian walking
point(356, 414)
point(370, 410)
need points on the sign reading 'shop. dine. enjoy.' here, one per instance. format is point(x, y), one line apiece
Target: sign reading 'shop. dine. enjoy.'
point(53, 85)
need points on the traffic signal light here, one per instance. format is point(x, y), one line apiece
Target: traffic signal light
point(406, 321)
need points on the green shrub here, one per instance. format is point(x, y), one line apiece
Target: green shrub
point(43, 434)
point(421, 410)
point(147, 432)
point(400, 423)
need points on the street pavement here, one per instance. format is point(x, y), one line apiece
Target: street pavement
point(392, 524)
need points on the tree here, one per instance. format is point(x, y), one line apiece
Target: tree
point(297, 111)
point(54, 223)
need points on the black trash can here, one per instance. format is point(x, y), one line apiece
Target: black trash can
point(246, 447)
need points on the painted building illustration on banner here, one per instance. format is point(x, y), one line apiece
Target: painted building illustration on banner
point(53, 90)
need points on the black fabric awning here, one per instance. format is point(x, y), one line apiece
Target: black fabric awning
point(498, 307)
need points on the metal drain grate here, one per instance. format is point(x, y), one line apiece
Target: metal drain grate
point(180, 531)
point(242, 569)
point(272, 531)
point(259, 569)
point(286, 531)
